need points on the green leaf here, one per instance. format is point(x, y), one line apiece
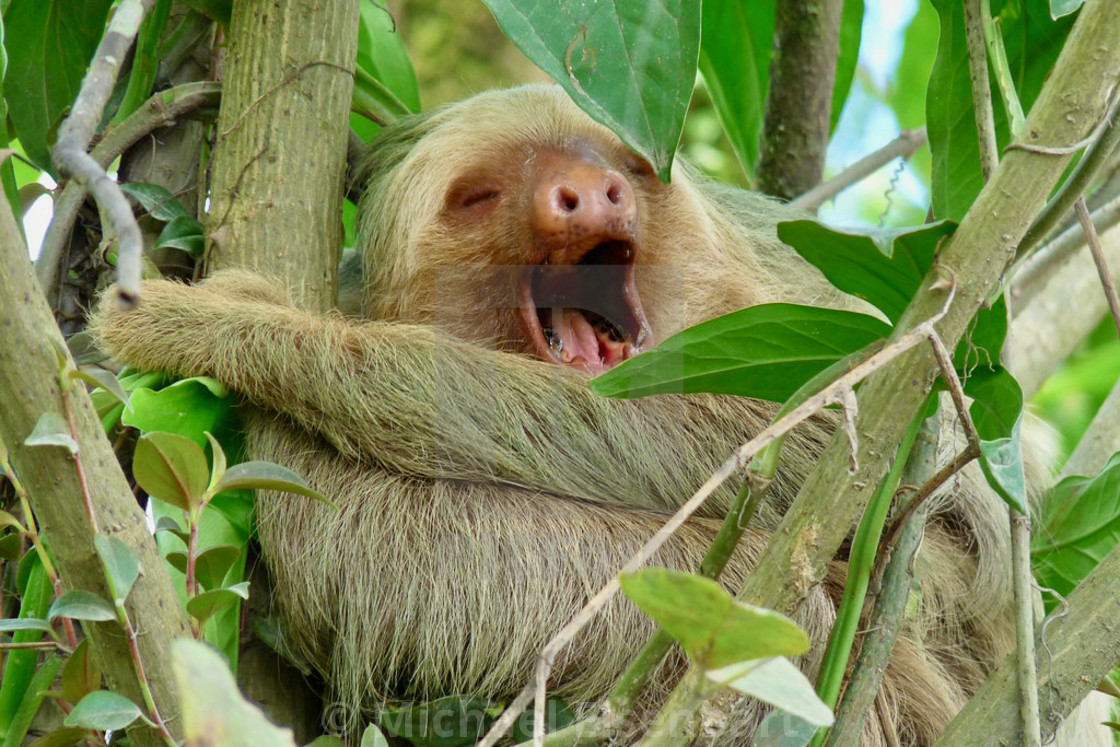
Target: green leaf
point(714, 629)
point(121, 564)
point(156, 200)
point(103, 710)
point(7, 520)
point(777, 682)
point(51, 430)
point(997, 411)
point(259, 475)
point(735, 49)
point(382, 55)
point(172, 468)
point(884, 267)
point(978, 352)
point(80, 674)
point(630, 64)
point(79, 604)
point(168, 524)
point(190, 408)
point(557, 715)
point(211, 565)
point(211, 704)
point(372, 737)
point(56, 40)
point(1033, 41)
point(218, 471)
point(208, 603)
point(184, 232)
point(1059, 8)
point(32, 699)
point(448, 722)
point(766, 351)
point(99, 377)
point(12, 624)
point(1079, 526)
point(851, 31)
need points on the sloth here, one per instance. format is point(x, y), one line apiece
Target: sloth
point(512, 248)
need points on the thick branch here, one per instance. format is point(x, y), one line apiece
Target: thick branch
point(1081, 649)
point(799, 107)
point(29, 372)
point(281, 153)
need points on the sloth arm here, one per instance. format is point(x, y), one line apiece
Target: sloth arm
point(423, 404)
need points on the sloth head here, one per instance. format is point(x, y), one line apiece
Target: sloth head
point(514, 221)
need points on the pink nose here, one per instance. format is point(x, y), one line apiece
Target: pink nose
point(583, 199)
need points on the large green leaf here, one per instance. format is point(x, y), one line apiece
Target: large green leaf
point(190, 407)
point(50, 44)
point(1032, 40)
point(1079, 526)
point(630, 64)
point(714, 629)
point(765, 351)
point(884, 267)
point(735, 50)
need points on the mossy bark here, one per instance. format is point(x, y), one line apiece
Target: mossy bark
point(280, 154)
point(29, 374)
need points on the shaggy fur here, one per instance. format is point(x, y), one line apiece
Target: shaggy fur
point(485, 495)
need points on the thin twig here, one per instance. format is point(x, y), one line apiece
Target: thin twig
point(76, 132)
point(1024, 628)
point(161, 110)
point(1099, 260)
point(903, 146)
point(981, 89)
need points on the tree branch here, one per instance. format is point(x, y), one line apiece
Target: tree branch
point(799, 107)
point(76, 132)
point(29, 365)
point(1081, 647)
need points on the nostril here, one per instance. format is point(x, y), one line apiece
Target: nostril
point(614, 193)
point(567, 199)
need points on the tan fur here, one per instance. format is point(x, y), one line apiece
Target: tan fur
point(484, 495)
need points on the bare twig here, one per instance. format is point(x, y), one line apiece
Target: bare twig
point(1099, 260)
point(1023, 584)
point(161, 110)
point(981, 89)
point(76, 132)
point(903, 146)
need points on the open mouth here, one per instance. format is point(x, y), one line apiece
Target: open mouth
point(586, 315)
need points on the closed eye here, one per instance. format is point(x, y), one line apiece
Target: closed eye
point(471, 199)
